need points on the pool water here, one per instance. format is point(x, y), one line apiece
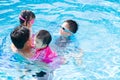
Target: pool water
point(98, 35)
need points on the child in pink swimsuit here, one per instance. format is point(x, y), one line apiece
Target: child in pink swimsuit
point(43, 53)
point(42, 50)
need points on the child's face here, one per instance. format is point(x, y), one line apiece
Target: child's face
point(38, 43)
point(31, 22)
point(64, 31)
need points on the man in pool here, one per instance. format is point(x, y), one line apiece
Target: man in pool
point(20, 37)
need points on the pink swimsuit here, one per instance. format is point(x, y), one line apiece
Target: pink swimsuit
point(45, 55)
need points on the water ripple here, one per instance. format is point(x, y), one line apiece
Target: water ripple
point(98, 35)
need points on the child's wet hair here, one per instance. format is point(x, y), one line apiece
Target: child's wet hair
point(45, 36)
point(73, 26)
point(27, 15)
point(19, 36)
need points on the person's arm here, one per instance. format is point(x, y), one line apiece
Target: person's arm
point(14, 49)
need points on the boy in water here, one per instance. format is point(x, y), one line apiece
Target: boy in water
point(68, 29)
point(66, 43)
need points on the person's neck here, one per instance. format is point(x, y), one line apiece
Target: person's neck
point(25, 48)
point(65, 37)
point(25, 51)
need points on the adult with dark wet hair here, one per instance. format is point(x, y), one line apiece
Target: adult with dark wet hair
point(20, 38)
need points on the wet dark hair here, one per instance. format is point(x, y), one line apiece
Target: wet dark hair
point(20, 36)
point(44, 36)
point(27, 15)
point(73, 26)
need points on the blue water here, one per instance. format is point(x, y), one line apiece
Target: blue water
point(98, 35)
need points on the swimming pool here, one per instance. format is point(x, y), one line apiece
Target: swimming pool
point(98, 35)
